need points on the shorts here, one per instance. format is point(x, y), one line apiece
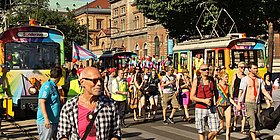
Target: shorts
point(185, 98)
point(155, 97)
point(204, 115)
point(243, 110)
point(169, 97)
point(252, 110)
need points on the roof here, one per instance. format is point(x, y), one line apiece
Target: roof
point(62, 5)
point(97, 6)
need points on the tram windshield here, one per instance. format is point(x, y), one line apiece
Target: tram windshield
point(247, 56)
point(32, 55)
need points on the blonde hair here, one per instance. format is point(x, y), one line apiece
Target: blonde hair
point(222, 74)
point(241, 63)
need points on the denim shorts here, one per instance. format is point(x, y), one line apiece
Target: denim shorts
point(47, 134)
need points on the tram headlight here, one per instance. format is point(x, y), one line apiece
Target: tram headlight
point(32, 90)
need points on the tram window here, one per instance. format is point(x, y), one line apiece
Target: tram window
point(176, 60)
point(221, 58)
point(211, 58)
point(247, 56)
point(32, 55)
point(184, 60)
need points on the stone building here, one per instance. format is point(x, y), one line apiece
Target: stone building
point(99, 20)
point(131, 31)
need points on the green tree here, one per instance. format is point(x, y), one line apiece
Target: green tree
point(180, 16)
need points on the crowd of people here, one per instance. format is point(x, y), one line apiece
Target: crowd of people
point(98, 112)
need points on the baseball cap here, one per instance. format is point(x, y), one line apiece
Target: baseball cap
point(112, 70)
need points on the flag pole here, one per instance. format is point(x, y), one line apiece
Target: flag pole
point(87, 61)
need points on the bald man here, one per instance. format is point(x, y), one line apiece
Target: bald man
point(77, 113)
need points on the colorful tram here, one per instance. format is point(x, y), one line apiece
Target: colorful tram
point(115, 59)
point(29, 52)
point(224, 51)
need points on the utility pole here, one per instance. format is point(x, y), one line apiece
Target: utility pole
point(87, 62)
point(270, 45)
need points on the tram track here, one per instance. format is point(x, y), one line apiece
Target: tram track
point(19, 130)
point(23, 131)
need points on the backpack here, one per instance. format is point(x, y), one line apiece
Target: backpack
point(269, 118)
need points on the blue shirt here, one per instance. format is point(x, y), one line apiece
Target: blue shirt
point(49, 92)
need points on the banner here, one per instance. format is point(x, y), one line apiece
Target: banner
point(80, 53)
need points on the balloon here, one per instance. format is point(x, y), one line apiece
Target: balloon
point(74, 60)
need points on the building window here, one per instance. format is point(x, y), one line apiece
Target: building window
point(123, 10)
point(137, 50)
point(145, 49)
point(144, 21)
point(157, 47)
point(136, 22)
point(97, 40)
point(116, 24)
point(122, 25)
point(116, 12)
point(99, 24)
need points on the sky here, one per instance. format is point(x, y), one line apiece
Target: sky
point(61, 5)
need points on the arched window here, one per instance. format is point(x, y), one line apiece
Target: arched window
point(157, 49)
point(103, 46)
point(137, 49)
point(145, 49)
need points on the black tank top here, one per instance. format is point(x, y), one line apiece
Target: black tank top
point(236, 86)
point(268, 88)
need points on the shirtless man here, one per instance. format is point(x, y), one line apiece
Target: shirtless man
point(250, 88)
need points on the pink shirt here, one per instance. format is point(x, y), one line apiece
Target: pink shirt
point(83, 123)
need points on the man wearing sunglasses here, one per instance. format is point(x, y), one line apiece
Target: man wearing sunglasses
point(78, 112)
point(202, 93)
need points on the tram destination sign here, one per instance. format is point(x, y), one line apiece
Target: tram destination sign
point(245, 43)
point(33, 34)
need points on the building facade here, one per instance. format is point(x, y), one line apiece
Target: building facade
point(99, 22)
point(132, 31)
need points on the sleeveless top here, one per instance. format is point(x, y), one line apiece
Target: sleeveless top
point(203, 92)
point(223, 99)
point(236, 86)
point(268, 88)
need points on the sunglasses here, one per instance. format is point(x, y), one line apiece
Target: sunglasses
point(241, 67)
point(217, 69)
point(94, 80)
point(205, 69)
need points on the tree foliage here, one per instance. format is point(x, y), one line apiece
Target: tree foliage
point(181, 16)
point(65, 22)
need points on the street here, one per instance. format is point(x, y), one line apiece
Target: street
point(156, 130)
point(137, 130)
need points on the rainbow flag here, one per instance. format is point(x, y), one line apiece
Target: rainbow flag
point(80, 53)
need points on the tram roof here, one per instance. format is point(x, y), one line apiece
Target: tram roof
point(221, 42)
point(203, 44)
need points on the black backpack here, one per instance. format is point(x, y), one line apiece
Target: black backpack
point(269, 118)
